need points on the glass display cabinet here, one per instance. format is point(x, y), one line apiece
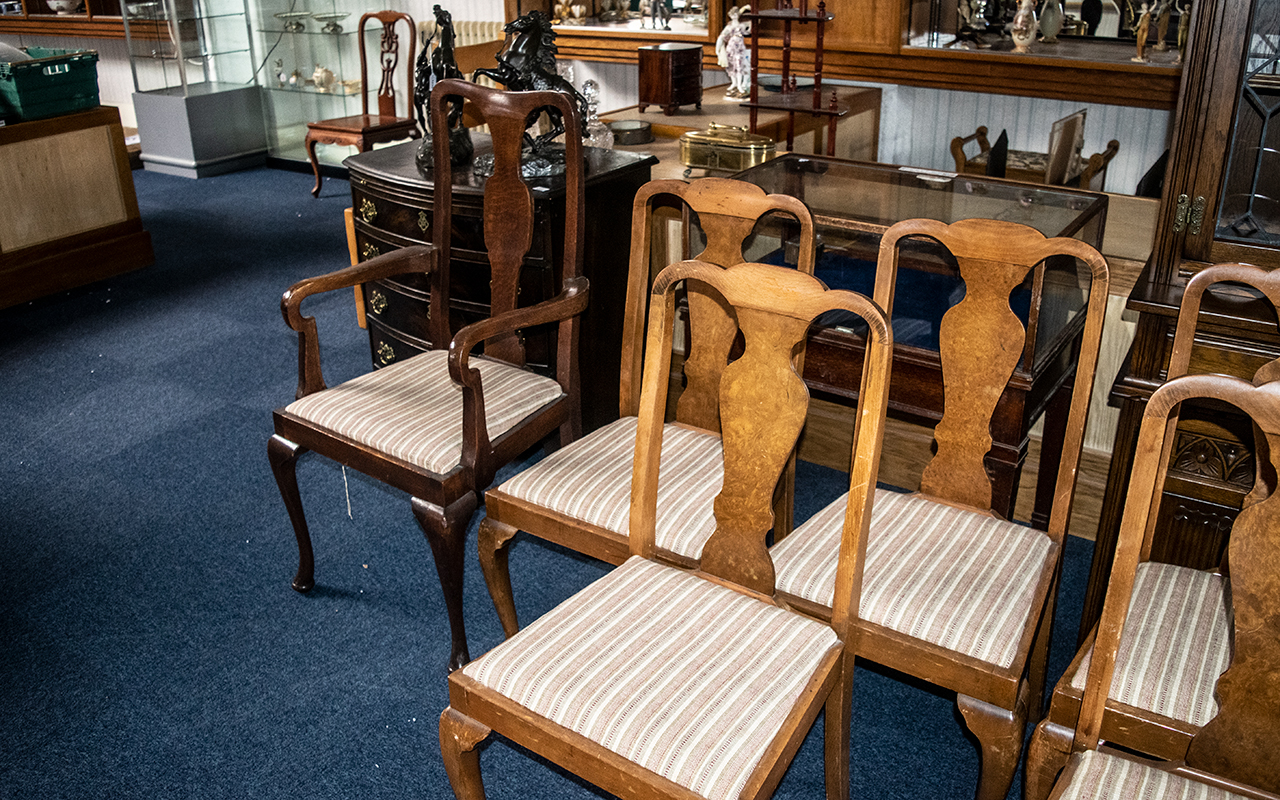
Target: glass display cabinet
point(1218, 206)
point(197, 101)
point(853, 203)
point(311, 71)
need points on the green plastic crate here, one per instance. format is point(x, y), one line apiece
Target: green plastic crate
point(53, 82)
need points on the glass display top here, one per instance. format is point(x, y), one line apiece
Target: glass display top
point(863, 196)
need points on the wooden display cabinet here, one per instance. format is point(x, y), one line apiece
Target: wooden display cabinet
point(72, 216)
point(1216, 208)
point(670, 76)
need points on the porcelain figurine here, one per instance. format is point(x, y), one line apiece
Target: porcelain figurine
point(1141, 32)
point(1023, 31)
point(322, 78)
point(732, 54)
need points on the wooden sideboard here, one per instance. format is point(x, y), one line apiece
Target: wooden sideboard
point(391, 206)
point(71, 214)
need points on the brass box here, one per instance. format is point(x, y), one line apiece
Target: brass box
point(725, 147)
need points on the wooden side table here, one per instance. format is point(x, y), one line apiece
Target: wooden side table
point(670, 76)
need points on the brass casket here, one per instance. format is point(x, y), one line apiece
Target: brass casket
point(725, 147)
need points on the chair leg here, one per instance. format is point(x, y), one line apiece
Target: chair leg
point(837, 722)
point(283, 455)
point(1038, 665)
point(1047, 754)
point(446, 531)
point(315, 164)
point(999, 733)
point(459, 735)
point(494, 544)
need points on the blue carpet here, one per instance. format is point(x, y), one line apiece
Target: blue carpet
point(150, 645)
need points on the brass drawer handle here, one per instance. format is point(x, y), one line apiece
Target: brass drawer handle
point(368, 210)
point(424, 222)
point(386, 354)
point(370, 250)
point(377, 301)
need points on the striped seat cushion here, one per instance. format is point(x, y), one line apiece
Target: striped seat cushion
point(685, 677)
point(412, 410)
point(1103, 775)
point(590, 480)
point(1175, 644)
point(958, 579)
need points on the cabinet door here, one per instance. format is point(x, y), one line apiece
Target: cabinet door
point(1223, 203)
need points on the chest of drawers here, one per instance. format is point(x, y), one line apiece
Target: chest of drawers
point(670, 76)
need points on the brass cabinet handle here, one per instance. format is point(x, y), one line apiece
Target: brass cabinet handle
point(368, 210)
point(424, 221)
point(377, 301)
point(370, 250)
point(386, 354)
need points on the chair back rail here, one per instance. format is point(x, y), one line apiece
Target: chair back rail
point(508, 208)
point(388, 61)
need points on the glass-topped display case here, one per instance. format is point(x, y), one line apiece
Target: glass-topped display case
point(854, 202)
point(196, 97)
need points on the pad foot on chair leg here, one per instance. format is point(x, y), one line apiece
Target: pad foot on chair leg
point(494, 545)
point(459, 735)
point(999, 733)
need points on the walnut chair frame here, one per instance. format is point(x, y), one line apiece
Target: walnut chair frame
point(444, 499)
point(1160, 720)
point(364, 130)
point(560, 512)
point(995, 664)
point(762, 405)
point(1238, 749)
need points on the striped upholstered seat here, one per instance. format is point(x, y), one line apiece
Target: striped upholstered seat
point(383, 408)
point(590, 480)
point(1103, 776)
point(685, 677)
point(955, 578)
point(1175, 644)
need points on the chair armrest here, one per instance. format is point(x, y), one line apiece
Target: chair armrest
point(958, 143)
point(419, 258)
point(571, 301)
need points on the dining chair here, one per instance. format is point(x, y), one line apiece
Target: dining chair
point(659, 681)
point(364, 130)
point(578, 497)
point(1178, 631)
point(1235, 750)
point(439, 425)
point(953, 594)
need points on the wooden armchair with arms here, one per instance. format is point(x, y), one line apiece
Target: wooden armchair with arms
point(657, 681)
point(439, 425)
point(364, 130)
point(954, 595)
point(1178, 629)
point(578, 497)
point(1236, 751)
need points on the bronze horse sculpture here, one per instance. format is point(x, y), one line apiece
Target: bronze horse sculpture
point(527, 62)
